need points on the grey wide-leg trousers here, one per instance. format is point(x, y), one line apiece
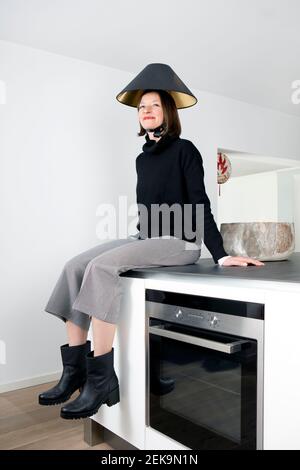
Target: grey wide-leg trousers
point(89, 284)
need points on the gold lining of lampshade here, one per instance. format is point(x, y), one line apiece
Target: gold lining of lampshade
point(132, 98)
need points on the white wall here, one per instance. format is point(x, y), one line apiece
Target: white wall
point(249, 198)
point(287, 205)
point(62, 134)
point(67, 145)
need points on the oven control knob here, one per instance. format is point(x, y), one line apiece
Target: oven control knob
point(179, 314)
point(214, 321)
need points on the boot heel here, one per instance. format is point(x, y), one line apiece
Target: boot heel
point(113, 397)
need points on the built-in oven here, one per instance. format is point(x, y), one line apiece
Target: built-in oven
point(205, 370)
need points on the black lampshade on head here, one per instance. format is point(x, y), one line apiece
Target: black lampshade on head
point(157, 77)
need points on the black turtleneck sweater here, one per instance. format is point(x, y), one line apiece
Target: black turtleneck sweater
point(171, 171)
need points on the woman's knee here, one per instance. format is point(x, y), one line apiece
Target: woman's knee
point(191, 253)
point(75, 265)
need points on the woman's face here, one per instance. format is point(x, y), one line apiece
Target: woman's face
point(150, 111)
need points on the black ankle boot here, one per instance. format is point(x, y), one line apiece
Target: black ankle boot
point(101, 386)
point(73, 375)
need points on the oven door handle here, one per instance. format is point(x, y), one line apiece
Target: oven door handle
point(228, 348)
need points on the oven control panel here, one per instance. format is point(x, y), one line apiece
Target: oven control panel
point(201, 318)
point(210, 313)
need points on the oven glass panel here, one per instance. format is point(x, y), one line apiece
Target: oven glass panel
point(203, 398)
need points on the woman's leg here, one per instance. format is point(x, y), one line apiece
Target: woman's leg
point(60, 304)
point(102, 288)
point(76, 334)
point(68, 286)
point(100, 296)
point(103, 336)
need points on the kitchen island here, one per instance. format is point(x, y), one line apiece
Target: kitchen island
point(275, 285)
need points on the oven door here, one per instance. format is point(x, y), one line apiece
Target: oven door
point(202, 386)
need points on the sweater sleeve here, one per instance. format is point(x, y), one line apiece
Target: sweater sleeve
point(194, 182)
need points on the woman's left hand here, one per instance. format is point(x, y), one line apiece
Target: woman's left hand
point(241, 261)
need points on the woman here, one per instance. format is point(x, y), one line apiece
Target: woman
point(89, 288)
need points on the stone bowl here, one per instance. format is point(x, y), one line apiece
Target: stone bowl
point(265, 241)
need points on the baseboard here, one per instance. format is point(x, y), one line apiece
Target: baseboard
point(40, 379)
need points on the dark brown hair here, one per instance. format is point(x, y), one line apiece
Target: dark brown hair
point(171, 120)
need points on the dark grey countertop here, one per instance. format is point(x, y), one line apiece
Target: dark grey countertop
point(277, 271)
